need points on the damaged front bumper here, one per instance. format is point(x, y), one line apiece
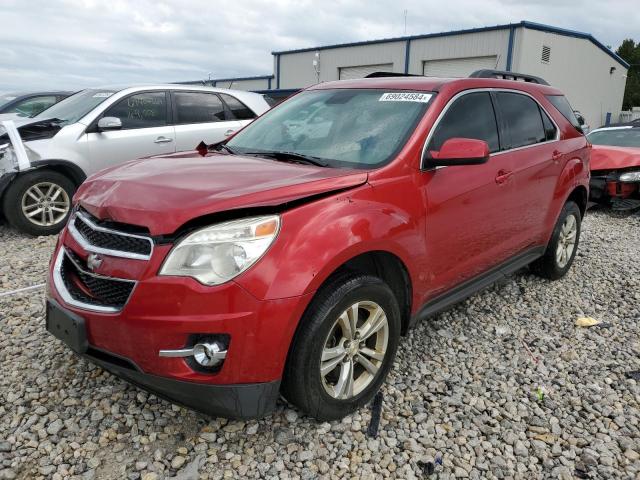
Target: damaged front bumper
point(14, 156)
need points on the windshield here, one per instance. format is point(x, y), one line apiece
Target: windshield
point(73, 108)
point(344, 128)
point(5, 98)
point(627, 137)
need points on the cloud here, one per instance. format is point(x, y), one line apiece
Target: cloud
point(72, 44)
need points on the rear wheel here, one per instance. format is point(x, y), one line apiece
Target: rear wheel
point(39, 202)
point(344, 347)
point(562, 247)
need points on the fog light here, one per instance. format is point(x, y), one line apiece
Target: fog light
point(207, 352)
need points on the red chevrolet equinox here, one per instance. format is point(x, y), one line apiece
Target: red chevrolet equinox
point(292, 258)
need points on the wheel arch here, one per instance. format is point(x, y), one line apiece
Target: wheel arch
point(389, 268)
point(579, 195)
point(64, 167)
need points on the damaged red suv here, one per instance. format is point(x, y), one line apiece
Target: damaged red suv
point(293, 258)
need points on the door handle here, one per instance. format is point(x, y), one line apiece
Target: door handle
point(163, 140)
point(229, 132)
point(503, 176)
point(556, 155)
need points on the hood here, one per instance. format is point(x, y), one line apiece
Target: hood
point(31, 129)
point(604, 157)
point(163, 193)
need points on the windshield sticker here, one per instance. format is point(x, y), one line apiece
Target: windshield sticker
point(405, 97)
point(103, 95)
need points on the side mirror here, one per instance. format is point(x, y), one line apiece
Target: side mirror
point(460, 151)
point(109, 123)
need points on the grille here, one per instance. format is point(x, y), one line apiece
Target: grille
point(92, 289)
point(111, 240)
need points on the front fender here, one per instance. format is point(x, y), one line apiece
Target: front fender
point(317, 238)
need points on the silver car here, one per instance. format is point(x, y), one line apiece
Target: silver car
point(101, 127)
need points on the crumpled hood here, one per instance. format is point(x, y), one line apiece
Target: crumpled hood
point(163, 193)
point(31, 129)
point(604, 157)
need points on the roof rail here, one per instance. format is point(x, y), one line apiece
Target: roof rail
point(390, 74)
point(487, 73)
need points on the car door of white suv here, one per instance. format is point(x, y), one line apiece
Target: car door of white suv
point(145, 130)
point(201, 117)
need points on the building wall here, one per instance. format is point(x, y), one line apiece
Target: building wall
point(296, 69)
point(248, 84)
point(577, 67)
point(479, 44)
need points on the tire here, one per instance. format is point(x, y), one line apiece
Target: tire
point(321, 396)
point(24, 190)
point(551, 265)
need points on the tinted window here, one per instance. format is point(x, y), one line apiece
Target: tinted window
point(549, 128)
point(195, 107)
point(239, 110)
point(471, 116)
point(143, 110)
point(563, 106)
point(522, 119)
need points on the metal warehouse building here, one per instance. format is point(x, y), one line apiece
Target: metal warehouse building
point(592, 76)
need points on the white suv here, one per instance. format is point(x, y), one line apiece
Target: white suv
point(102, 127)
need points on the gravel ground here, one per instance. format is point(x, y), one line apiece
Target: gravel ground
point(502, 386)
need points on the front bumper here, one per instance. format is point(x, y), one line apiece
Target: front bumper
point(230, 401)
point(166, 313)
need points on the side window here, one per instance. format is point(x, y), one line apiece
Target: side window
point(549, 128)
point(196, 107)
point(142, 110)
point(470, 116)
point(563, 106)
point(33, 106)
point(522, 119)
point(239, 110)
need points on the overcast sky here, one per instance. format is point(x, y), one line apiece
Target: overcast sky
point(71, 44)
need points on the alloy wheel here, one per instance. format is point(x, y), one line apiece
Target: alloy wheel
point(45, 204)
point(566, 241)
point(354, 350)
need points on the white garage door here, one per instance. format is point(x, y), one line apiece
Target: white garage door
point(457, 67)
point(347, 73)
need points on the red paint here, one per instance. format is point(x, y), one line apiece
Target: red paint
point(446, 225)
point(614, 158)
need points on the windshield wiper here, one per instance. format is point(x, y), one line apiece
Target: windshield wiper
point(222, 146)
point(290, 157)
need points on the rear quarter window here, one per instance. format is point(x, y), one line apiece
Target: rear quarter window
point(564, 107)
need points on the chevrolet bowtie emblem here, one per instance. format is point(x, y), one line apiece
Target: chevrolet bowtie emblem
point(93, 261)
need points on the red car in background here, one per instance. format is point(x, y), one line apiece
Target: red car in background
point(615, 167)
point(291, 261)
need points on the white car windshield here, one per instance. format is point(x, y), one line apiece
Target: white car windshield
point(354, 128)
point(624, 137)
point(73, 108)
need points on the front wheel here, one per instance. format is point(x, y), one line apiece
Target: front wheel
point(562, 247)
point(39, 202)
point(344, 347)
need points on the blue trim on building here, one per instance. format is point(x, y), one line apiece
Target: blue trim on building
point(277, 71)
point(524, 24)
point(407, 52)
point(269, 82)
point(512, 32)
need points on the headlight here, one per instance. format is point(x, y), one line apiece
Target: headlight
point(630, 177)
point(218, 253)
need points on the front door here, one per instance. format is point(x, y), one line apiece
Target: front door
point(467, 207)
point(145, 131)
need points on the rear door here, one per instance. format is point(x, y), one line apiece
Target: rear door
point(146, 130)
point(201, 117)
point(467, 230)
point(532, 158)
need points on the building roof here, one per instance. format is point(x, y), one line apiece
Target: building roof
point(523, 24)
